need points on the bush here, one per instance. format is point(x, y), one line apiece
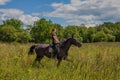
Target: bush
point(10, 34)
point(99, 37)
point(7, 34)
point(110, 38)
point(23, 37)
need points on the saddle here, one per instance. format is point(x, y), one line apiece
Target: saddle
point(53, 49)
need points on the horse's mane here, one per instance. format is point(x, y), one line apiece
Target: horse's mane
point(64, 42)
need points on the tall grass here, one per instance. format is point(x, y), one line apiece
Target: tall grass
point(93, 61)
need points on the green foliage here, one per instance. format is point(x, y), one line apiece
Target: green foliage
point(11, 31)
point(13, 22)
point(90, 32)
point(110, 38)
point(118, 36)
point(23, 37)
point(83, 31)
point(10, 34)
point(99, 36)
point(70, 30)
point(41, 30)
point(7, 34)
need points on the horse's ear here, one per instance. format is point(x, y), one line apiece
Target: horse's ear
point(72, 35)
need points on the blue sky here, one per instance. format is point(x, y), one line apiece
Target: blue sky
point(64, 12)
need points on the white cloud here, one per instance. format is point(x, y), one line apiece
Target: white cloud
point(17, 14)
point(89, 12)
point(28, 19)
point(3, 2)
point(11, 12)
point(57, 5)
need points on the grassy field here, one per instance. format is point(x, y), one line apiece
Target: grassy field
point(93, 61)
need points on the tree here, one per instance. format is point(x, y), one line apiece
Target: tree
point(10, 34)
point(83, 31)
point(41, 30)
point(7, 34)
point(116, 31)
point(23, 37)
point(99, 36)
point(110, 38)
point(69, 30)
point(91, 31)
point(13, 22)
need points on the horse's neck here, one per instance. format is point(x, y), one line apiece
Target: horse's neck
point(67, 46)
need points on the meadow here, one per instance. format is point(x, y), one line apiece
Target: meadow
point(92, 61)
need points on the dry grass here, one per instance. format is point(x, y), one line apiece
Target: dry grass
point(93, 61)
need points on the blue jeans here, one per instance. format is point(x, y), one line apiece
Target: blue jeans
point(56, 47)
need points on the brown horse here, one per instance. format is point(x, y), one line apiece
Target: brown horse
point(43, 50)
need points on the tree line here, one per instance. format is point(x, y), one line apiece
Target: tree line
point(13, 30)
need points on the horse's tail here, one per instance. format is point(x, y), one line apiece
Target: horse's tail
point(31, 51)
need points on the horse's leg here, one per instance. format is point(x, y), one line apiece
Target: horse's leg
point(38, 59)
point(65, 58)
point(59, 61)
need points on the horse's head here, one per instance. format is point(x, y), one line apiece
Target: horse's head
point(75, 42)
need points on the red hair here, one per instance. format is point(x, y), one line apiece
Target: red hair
point(53, 29)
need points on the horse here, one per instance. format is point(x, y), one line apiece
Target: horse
point(42, 50)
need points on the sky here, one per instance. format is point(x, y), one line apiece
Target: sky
point(64, 12)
